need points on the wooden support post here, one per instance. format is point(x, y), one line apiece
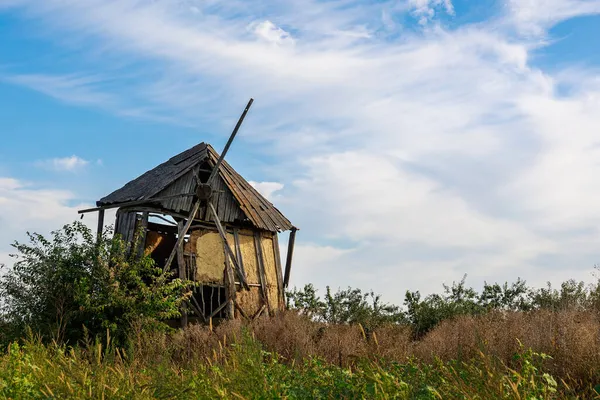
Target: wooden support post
point(228, 250)
point(261, 269)
point(180, 238)
point(100, 223)
point(229, 284)
point(238, 252)
point(290, 253)
point(181, 270)
point(278, 271)
point(241, 311)
point(142, 239)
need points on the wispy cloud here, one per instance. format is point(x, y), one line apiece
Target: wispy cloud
point(425, 9)
point(72, 88)
point(442, 151)
point(68, 164)
point(534, 17)
point(25, 206)
point(267, 189)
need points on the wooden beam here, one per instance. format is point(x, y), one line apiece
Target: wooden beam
point(258, 313)
point(134, 203)
point(181, 269)
point(227, 247)
point(278, 271)
point(261, 269)
point(142, 238)
point(229, 141)
point(182, 235)
point(196, 308)
point(100, 223)
point(290, 253)
point(229, 284)
point(238, 251)
point(241, 311)
point(216, 311)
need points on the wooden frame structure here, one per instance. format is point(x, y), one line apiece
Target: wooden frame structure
point(228, 242)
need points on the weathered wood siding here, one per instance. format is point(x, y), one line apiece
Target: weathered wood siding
point(210, 264)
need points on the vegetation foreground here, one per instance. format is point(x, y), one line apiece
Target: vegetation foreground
point(234, 362)
point(85, 318)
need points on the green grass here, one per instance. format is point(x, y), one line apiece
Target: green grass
point(243, 370)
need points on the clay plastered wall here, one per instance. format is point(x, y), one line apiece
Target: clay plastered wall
point(210, 261)
point(249, 301)
point(210, 257)
point(270, 271)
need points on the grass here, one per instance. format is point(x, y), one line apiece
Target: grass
point(556, 357)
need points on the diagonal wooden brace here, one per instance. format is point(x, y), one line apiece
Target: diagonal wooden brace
point(232, 256)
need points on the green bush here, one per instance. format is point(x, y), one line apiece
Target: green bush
point(74, 285)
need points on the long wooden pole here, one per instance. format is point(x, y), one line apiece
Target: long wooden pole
point(226, 148)
point(227, 247)
point(181, 271)
point(100, 224)
point(290, 253)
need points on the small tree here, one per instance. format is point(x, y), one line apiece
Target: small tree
point(59, 286)
point(350, 306)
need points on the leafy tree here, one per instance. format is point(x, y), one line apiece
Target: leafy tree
point(60, 285)
point(505, 297)
point(350, 306)
point(425, 314)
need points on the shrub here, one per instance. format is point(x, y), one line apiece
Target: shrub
point(60, 285)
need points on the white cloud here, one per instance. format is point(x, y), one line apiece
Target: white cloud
point(69, 164)
point(271, 33)
point(405, 162)
point(425, 9)
point(536, 16)
point(76, 89)
point(267, 189)
point(27, 207)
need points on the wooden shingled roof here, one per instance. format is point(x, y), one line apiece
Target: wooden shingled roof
point(174, 176)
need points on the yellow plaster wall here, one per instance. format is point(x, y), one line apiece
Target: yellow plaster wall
point(210, 257)
point(249, 257)
point(249, 300)
point(270, 271)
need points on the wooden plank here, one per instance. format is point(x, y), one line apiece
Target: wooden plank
point(100, 229)
point(216, 311)
point(259, 312)
point(226, 243)
point(261, 269)
point(229, 284)
point(181, 269)
point(238, 251)
point(229, 141)
point(290, 253)
point(241, 311)
point(279, 272)
point(132, 203)
point(142, 239)
point(181, 237)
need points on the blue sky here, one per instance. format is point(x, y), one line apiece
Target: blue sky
point(411, 141)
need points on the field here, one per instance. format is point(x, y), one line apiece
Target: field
point(81, 319)
point(557, 356)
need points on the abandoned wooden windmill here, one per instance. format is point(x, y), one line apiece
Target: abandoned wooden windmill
point(225, 235)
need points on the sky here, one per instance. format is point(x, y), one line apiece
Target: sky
point(411, 141)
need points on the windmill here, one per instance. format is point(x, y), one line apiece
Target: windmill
point(226, 233)
point(204, 193)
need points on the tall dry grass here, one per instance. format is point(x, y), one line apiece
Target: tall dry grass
point(571, 338)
